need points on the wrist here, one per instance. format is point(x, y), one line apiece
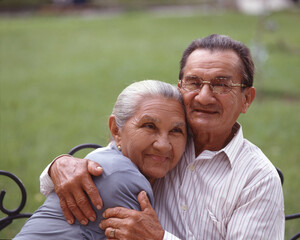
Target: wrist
point(53, 162)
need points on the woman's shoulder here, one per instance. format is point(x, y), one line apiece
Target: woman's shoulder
point(112, 161)
point(120, 177)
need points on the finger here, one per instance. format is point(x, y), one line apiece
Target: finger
point(94, 168)
point(67, 213)
point(112, 223)
point(72, 205)
point(144, 201)
point(83, 204)
point(93, 193)
point(118, 212)
point(111, 233)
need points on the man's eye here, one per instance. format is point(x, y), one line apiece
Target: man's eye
point(193, 83)
point(220, 83)
point(192, 79)
point(196, 83)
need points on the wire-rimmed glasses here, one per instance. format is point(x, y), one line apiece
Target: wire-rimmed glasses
point(219, 85)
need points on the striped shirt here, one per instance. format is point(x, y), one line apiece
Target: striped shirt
point(234, 193)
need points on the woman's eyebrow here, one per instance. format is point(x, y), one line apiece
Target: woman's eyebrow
point(149, 118)
point(180, 124)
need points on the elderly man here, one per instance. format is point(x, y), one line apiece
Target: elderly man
point(224, 186)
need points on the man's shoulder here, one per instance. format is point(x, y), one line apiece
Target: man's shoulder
point(253, 152)
point(252, 158)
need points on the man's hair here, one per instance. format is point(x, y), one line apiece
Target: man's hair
point(131, 97)
point(217, 42)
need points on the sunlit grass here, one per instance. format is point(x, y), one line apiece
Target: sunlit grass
point(61, 75)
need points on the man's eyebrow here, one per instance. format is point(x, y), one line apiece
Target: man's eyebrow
point(227, 77)
point(192, 76)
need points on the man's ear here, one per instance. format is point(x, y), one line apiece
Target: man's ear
point(179, 88)
point(248, 97)
point(115, 132)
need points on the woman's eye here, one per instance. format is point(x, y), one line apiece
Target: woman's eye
point(149, 125)
point(177, 130)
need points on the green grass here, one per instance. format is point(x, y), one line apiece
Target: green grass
point(60, 76)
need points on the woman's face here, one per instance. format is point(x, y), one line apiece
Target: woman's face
point(154, 138)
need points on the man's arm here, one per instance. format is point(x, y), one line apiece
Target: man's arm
point(68, 173)
point(134, 225)
point(260, 211)
point(73, 182)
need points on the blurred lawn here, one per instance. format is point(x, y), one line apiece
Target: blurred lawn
point(61, 75)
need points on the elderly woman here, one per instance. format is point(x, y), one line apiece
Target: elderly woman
point(149, 137)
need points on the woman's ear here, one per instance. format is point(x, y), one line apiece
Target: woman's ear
point(115, 132)
point(248, 97)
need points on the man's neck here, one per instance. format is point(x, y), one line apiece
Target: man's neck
point(212, 141)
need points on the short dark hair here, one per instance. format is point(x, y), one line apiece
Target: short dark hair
point(220, 43)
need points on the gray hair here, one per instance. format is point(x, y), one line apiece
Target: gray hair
point(130, 98)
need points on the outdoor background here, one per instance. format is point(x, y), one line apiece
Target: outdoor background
point(63, 65)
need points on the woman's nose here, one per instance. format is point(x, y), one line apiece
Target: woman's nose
point(162, 143)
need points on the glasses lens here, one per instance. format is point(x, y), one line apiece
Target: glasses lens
point(220, 85)
point(191, 85)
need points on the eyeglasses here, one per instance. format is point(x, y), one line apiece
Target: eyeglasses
point(218, 85)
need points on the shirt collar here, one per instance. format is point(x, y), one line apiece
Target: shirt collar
point(231, 149)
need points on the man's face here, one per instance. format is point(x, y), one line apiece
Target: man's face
point(207, 111)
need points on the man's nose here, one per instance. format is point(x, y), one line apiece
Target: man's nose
point(205, 95)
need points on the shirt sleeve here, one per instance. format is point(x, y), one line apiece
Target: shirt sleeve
point(260, 211)
point(169, 236)
point(46, 183)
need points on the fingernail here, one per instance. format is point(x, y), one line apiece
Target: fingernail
point(99, 207)
point(84, 222)
point(103, 215)
point(100, 225)
point(70, 222)
point(92, 219)
point(98, 168)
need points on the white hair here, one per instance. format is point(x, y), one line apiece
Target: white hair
point(130, 98)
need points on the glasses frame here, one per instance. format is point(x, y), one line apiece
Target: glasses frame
point(211, 87)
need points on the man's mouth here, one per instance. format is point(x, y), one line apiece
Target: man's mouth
point(205, 111)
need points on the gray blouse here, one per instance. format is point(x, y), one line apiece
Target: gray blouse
point(119, 185)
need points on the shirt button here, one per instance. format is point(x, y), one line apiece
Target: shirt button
point(184, 207)
point(192, 168)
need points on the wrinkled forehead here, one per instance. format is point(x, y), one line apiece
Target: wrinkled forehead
point(208, 62)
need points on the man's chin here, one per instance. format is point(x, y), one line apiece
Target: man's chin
point(202, 123)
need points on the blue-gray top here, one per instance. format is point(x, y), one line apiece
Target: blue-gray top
point(119, 185)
